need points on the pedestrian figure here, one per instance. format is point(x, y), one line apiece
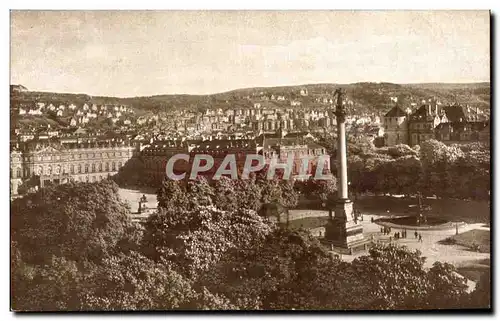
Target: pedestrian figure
point(372, 219)
point(420, 238)
point(382, 230)
point(416, 234)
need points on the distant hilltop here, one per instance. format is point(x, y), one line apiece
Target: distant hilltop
point(18, 88)
point(366, 96)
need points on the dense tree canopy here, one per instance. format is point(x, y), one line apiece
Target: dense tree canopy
point(76, 221)
point(196, 239)
point(75, 248)
point(451, 171)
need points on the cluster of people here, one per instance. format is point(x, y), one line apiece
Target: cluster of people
point(385, 230)
point(419, 236)
point(399, 235)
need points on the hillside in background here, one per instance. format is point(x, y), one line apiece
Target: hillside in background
point(367, 97)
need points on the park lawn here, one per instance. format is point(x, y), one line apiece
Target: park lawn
point(471, 238)
point(473, 270)
point(448, 209)
point(473, 273)
point(308, 222)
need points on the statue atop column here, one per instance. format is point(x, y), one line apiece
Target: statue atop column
point(340, 110)
point(343, 231)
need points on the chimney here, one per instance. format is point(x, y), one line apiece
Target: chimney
point(429, 109)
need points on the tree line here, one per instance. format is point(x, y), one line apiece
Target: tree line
point(432, 168)
point(74, 248)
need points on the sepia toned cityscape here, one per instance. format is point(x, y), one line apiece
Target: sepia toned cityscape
point(250, 160)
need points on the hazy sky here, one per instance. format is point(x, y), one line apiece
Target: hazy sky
point(130, 53)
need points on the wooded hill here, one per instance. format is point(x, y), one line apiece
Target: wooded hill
point(367, 97)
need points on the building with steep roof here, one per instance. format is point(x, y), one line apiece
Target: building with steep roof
point(454, 123)
point(396, 126)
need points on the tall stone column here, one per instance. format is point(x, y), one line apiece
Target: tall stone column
point(343, 231)
point(342, 161)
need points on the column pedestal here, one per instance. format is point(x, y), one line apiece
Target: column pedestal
point(342, 232)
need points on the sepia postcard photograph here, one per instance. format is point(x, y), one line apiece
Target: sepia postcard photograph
point(244, 160)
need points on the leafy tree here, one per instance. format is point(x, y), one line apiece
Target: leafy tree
point(196, 239)
point(481, 296)
point(225, 194)
point(455, 171)
point(401, 150)
point(172, 195)
point(199, 193)
point(359, 145)
point(396, 277)
point(324, 190)
point(448, 289)
point(270, 191)
point(75, 221)
point(258, 275)
point(329, 284)
point(399, 176)
point(248, 193)
point(134, 282)
point(131, 173)
point(53, 286)
point(289, 196)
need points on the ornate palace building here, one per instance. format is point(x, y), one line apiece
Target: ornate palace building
point(36, 165)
